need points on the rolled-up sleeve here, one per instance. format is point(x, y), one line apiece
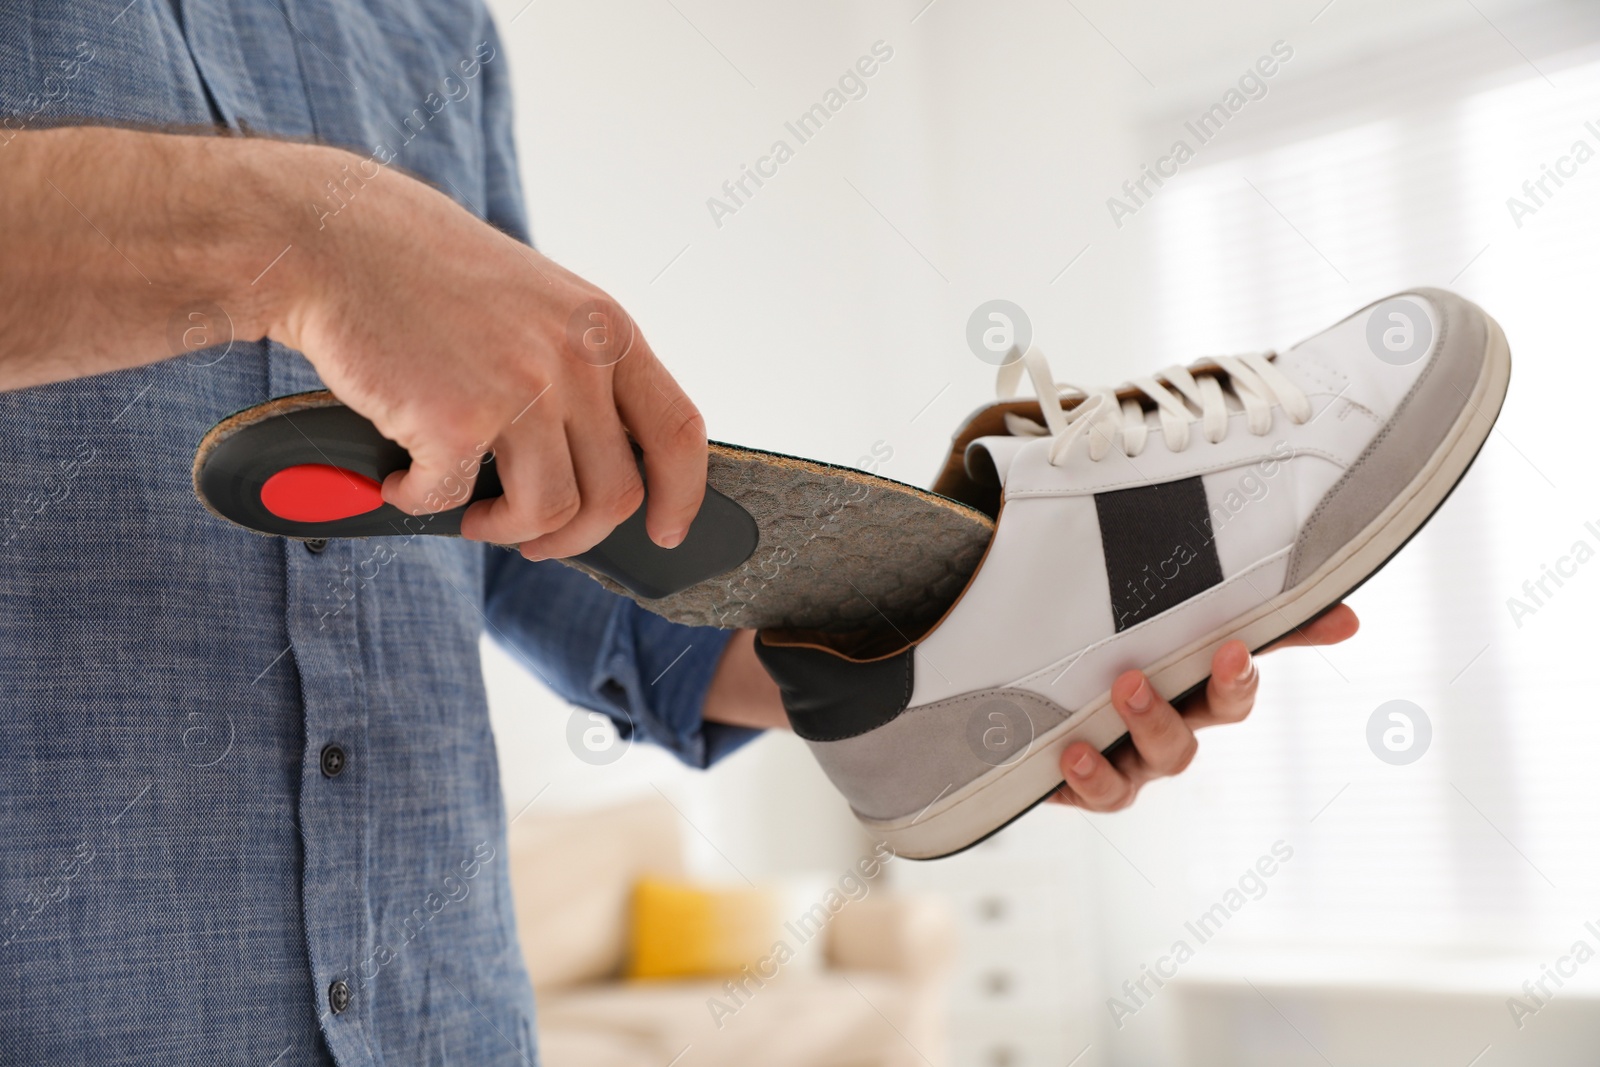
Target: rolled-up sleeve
point(603, 652)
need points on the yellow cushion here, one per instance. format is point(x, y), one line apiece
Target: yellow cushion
point(684, 930)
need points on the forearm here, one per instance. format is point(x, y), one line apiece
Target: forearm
point(742, 693)
point(111, 235)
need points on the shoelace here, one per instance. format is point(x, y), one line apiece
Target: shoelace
point(1106, 419)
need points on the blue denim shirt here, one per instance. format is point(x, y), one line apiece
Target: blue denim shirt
point(180, 883)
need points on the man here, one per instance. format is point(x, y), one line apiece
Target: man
point(249, 811)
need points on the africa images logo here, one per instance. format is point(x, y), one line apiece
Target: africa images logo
point(852, 85)
point(1203, 128)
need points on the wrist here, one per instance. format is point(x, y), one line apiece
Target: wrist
point(742, 693)
point(233, 234)
point(286, 265)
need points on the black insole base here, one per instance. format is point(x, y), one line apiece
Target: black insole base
point(244, 451)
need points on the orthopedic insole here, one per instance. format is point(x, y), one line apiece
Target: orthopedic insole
point(779, 541)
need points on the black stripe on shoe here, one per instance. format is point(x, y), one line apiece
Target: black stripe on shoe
point(1159, 548)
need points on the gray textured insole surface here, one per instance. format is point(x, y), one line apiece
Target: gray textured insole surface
point(840, 550)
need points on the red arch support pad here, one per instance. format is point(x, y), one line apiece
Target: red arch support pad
point(319, 492)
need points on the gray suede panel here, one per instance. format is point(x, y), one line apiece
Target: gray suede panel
point(930, 751)
point(1406, 444)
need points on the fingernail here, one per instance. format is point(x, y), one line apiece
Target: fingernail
point(1248, 675)
point(1141, 697)
point(1084, 765)
point(671, 539)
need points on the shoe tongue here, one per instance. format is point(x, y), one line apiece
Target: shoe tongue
point(988, 459)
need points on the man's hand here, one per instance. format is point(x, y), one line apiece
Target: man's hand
point(451, 337)
point(455, 340)
point(1161, 737)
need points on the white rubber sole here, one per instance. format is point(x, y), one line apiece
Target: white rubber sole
point(984, 805)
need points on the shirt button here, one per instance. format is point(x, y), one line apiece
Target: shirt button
point(333, 761)
point(316, 545)
point(339, 996)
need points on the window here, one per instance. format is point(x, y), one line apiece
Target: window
point(1359, 183)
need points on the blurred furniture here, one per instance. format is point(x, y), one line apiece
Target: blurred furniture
point(1019, 994)
point(879, 999)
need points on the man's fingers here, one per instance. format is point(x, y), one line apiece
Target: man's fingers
point(1094, 782)
point(1336, 624)
point(1163, 740)
point(540, 492)
point(1162, 737)
point(670, 431)
point(609, 490)
point(1231, 692)
point(440, 478)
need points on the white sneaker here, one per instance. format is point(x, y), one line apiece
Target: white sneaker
point(1142, 527)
